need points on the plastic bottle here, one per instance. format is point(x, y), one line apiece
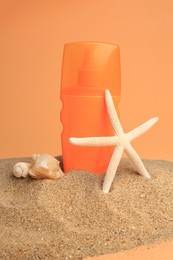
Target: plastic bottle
point(88, 69)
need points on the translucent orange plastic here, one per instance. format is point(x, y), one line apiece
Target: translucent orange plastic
point(88, 69)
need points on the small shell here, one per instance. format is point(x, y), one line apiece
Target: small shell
point(45, 166)
point(21, 169)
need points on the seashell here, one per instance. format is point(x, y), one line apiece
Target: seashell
point(44, 166)
point(21, 169)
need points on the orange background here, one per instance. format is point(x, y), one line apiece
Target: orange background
point(32, 36)
point(156, 251)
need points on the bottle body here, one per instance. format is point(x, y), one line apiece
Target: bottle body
point(85, 116)
point(88, 69)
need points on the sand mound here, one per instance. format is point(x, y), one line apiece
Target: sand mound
point(71, 218)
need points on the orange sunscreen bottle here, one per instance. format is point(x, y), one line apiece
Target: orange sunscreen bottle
point(88, 69)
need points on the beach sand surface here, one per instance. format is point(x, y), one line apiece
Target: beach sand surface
point(71, 218)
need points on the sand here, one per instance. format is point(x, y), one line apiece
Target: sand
point(71, 218)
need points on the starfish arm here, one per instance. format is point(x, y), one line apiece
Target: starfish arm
point(112, 168)
point(113, 114)
point(138, 164)
point(95, 141)
point(141, 129)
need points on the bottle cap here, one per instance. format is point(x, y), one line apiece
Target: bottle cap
point(89, 68)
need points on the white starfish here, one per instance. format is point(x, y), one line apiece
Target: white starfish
point(121, 141)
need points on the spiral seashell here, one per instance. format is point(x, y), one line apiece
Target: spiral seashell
point(21, 169)
point(44, 166)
